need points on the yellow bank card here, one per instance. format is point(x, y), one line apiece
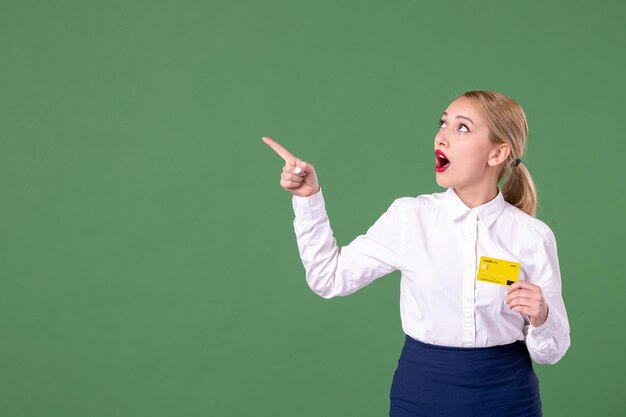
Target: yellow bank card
point(497, 271)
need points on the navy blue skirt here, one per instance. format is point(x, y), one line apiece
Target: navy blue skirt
point(441, 381)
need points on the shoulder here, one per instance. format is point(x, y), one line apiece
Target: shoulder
point(527, 224)
point(421, 206)
point(421, 201)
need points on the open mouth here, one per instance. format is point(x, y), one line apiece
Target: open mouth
point(442, 162)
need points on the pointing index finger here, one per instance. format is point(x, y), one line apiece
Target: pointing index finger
point(284, 153)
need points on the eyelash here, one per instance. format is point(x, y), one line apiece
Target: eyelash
point(462, 124)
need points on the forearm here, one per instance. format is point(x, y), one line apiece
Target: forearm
point(548, 343)
point(333, 271)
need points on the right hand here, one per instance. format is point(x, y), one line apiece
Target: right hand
point(303, 184)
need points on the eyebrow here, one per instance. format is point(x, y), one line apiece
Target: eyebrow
point(461, 117)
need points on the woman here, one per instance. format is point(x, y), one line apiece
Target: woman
point(480, 286)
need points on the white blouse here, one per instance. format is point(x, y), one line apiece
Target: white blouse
point(436, 242)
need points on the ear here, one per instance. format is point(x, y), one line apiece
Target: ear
point(499, 154)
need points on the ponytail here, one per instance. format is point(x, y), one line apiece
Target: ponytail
point(519, 190)
point(507, 124)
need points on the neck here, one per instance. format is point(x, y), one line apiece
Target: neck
point(477, 197)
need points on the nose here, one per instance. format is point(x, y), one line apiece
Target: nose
point(441, 140)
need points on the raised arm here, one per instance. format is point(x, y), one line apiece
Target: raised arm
point(332, 271)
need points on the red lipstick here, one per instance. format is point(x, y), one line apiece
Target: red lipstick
point(441, 161)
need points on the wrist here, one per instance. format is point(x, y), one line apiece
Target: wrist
point(314, 192)
point(539, 321)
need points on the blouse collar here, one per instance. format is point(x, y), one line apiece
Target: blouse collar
point(487, 212)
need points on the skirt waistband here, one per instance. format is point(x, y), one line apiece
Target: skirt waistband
point(514, 347)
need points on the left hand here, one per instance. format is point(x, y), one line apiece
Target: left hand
point(527, 298)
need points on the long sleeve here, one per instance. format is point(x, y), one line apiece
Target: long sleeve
point(332, 271)
point(548, 343)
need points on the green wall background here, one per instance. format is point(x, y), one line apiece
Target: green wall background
point(148, 265)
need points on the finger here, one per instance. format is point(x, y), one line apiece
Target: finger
point(527, 285)
point(519, 285)
point(292, 169)
point(534, 295)
point(515, 286)
point(306, 167)
point(284, 153)
point(291, 177)
point(523, 310)
point(522, 301)
point(290, 184)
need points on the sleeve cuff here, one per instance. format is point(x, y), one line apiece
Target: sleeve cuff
point(545, 328)
point(309, 208)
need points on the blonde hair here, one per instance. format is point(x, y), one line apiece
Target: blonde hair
point(507, 124)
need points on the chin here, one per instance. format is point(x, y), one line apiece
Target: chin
point(442, 182)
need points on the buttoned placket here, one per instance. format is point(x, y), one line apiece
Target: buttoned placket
point(470, 229)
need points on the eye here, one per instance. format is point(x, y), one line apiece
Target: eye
point(441, 123)
point(462, 126)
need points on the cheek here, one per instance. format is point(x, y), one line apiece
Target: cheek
point(473, 156)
